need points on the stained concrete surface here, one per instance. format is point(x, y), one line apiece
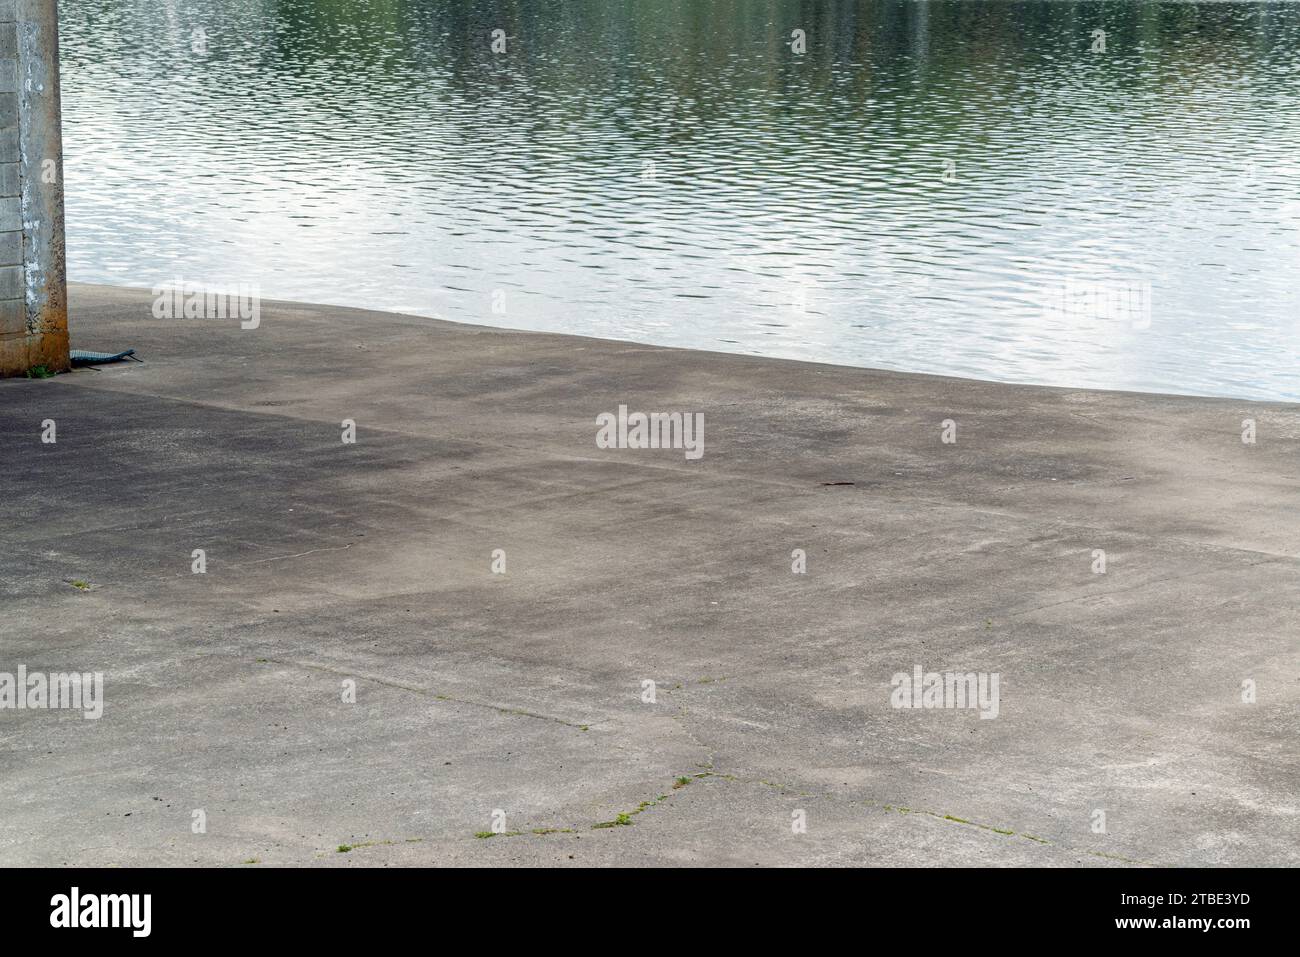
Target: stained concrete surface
point(522, 692)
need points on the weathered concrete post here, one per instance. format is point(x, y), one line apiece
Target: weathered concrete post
point(33, 274)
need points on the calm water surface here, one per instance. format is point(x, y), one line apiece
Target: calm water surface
point(911, 193)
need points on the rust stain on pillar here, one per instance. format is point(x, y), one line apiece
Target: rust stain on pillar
point(33, 271)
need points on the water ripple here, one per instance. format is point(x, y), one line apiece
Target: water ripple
point(941, 187)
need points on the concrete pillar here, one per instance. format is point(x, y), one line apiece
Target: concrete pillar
point(33, 274)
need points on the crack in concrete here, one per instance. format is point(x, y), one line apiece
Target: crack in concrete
point(437, 696)
point(280, 558)
point(1140, 585)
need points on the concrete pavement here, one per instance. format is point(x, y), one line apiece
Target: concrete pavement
point(475, 692)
